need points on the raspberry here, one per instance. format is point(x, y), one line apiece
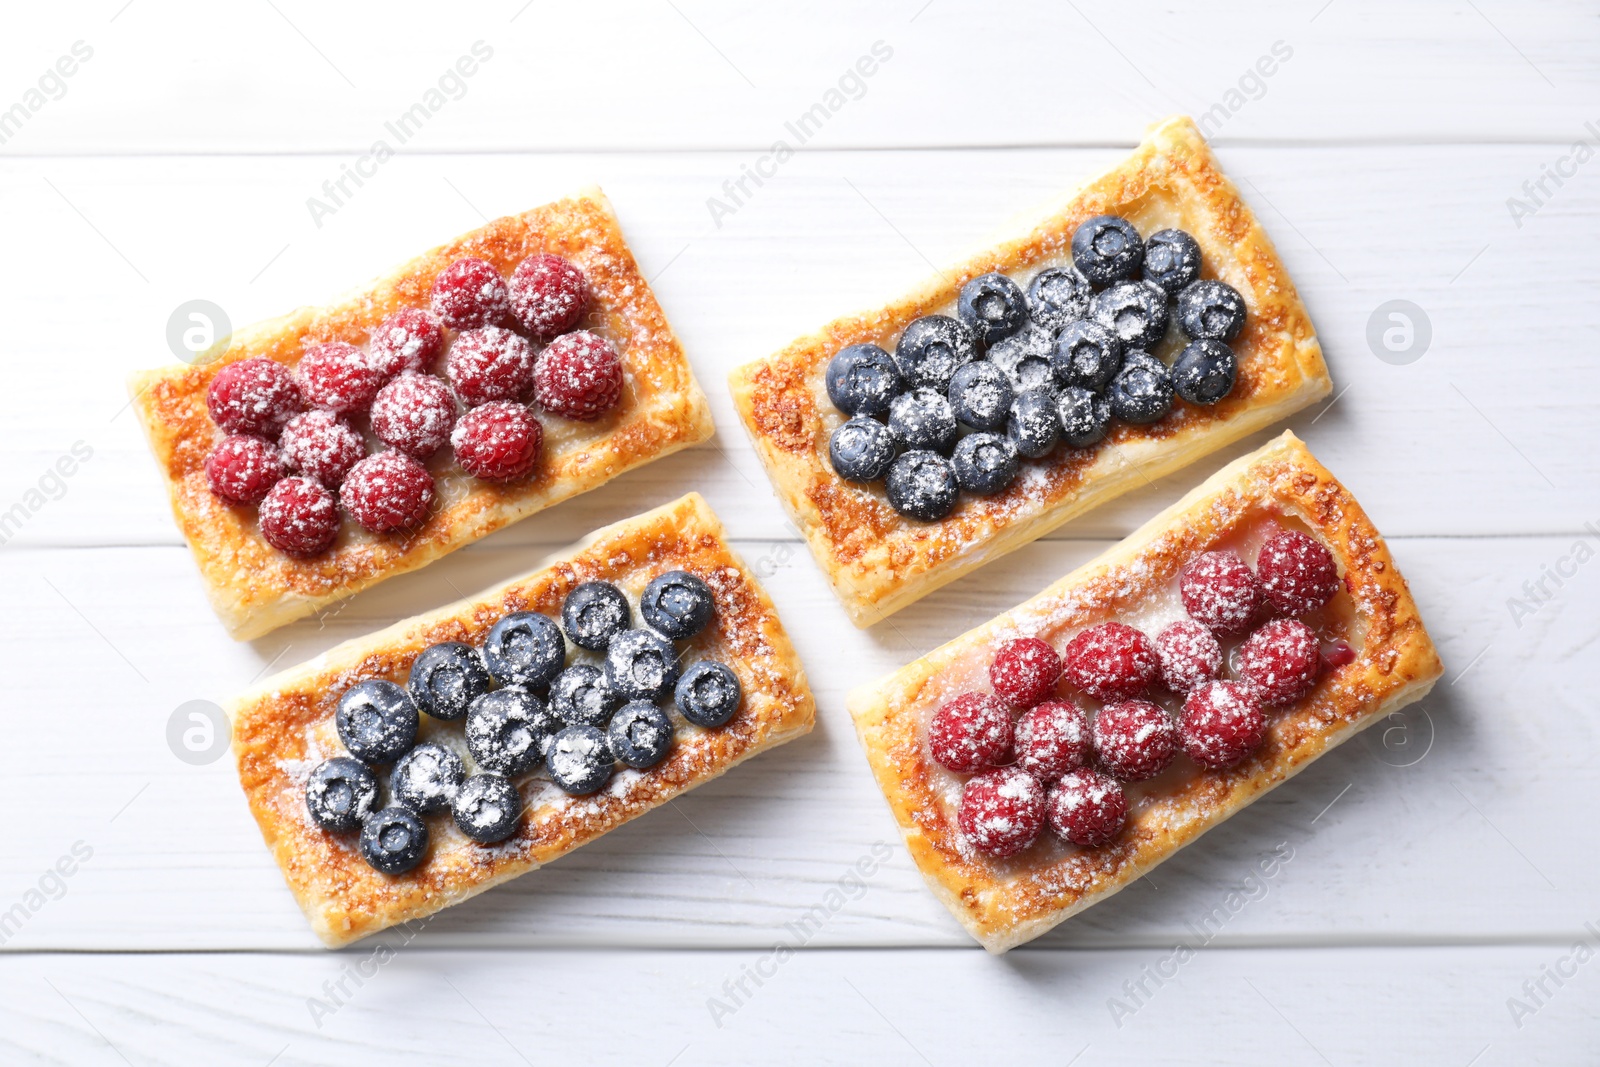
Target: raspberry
point(1087, 808)
point(1222, 724)
point(1002, 811)
point(414, 413)
point(253, 396)
point(469, 294)
point(1220, 590)
point(1297, 573)
point(388, 491)
point(1189, 654)
point(548, 295)
point(337, 376)
point(488, 364)
point(410, 339)
point(1135, 739)
point(1280, 661)
point(578, 375)
point(1111, 662)
point(498, 441)
point(243, 469)
point(1052, 739)
point(321, 445)
point(299, 517)
point(970, 733)
point(1025, 671)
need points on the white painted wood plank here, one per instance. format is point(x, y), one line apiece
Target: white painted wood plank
point(1501, 400)
point(1447, 834)
point(1440, 1005)
point(296, 76)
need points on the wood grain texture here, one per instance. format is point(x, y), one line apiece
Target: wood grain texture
point(177, 163)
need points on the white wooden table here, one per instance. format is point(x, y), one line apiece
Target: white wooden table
point(1444, 866)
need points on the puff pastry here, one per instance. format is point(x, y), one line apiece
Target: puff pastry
point(256, 589)
point(878, 561)
point(1004, 903)
point(285, 726)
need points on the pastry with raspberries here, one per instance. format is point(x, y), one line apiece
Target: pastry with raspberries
point(321, 412)
point(502, 373)
point(1146, 696)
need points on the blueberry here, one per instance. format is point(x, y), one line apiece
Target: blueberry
point(1204, 372)
point(446, 678)
point(1024, 358)
point(677, 604)
point(922, 485)
point(709, 694)
point(487, 808)
point(509, 730)
point(426, 778)
point(862, 379)
point(1171, 260)
point(985, 462)
point(640, 734)
point(340, 793)
point(924, 419)
point(580, 760)
point(376, 721)
point(525, 648)
point(1034, 427)
point(1142, 393)
point(931, 348)
point(593, 612)
point(1057, 296)
point(581, 694)
point(1086, 355)
point(980, 396)
point(1135, 311)
point(1211, 309)
point(1107, 249)
point(992, 306)
point(1085, 416)
point(393, 840)
point(641, 665)
point(861, 450)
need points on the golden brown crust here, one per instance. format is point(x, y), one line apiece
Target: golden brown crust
point(1004, 903)
point(879, 561)
point(256, 589)
point(285, 725)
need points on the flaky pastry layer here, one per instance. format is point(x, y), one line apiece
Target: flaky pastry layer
point(879, 561)
point(1004, 903)
point(285, 726)
point(255, 589)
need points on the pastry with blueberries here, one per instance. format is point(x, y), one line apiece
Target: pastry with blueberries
point(1140, 324)
point(532, 719)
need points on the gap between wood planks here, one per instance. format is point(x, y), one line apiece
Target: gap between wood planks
point(1221, 143)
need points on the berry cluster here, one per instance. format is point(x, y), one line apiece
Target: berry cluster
point(295, 443)
point(1037, 758)
point(964, 400)
point(521, 706)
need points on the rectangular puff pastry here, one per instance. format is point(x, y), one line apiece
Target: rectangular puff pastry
point(879, 561)
point(283, 727)
point(1004, 903)
point(256, 589)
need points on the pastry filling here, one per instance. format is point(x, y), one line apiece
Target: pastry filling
point(526, 716)
point(1014, 376)
point(1076, 729)
point(356, 429)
